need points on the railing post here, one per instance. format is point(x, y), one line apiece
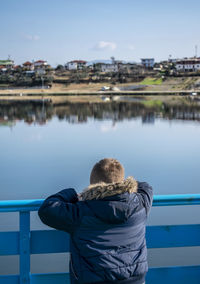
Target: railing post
point(24, 247)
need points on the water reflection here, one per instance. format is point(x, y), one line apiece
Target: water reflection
point(36, 113)
point(38, 161)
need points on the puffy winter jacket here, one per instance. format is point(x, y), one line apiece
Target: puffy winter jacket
point(107, 230)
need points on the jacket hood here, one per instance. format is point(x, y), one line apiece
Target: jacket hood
point(110, 202)
point(102, 190)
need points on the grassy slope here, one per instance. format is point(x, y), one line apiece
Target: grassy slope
point(151, 81)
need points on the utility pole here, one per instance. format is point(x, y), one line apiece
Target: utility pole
point(196, 49)
point(42, 82)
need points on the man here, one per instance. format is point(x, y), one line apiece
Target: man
point(106, 223)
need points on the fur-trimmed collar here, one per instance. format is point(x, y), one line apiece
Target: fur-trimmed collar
point(102, 190)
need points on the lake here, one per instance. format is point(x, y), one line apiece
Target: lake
point(46, 148)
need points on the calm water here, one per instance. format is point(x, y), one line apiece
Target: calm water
point(45, 149)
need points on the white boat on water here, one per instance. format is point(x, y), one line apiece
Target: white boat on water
point(105, 88)
point(105, 99)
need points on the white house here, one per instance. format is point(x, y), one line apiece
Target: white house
point(188, 64)
point(28, 65)
point(75, 65)
point(6, 64)
point(148, 62)
point(40, 63)
point(105, 67)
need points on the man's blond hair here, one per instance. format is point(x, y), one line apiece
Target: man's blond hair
point(107, 170)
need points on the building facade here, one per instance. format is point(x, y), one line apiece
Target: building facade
point(6, 64)
point(28, 66)
point(109, 67)
point(75, 65)
point(148, 62)
point(40, 64)
point(188, 65)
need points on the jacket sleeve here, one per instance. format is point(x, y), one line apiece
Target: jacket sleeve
point(146, 195)
point(60, 210)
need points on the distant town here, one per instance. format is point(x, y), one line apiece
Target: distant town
point(40, 74)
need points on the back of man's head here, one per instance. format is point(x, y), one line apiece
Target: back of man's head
point(107, 170)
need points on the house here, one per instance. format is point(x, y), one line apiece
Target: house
point(40, 71)
point(29, 73)
point(148, 62)
point(28, 66)
point(7, 64)
point(40, 64)
point(106, 67)
point(17, 67)
point(75, 65)
point(188, 64)
point(2, 68)
point(128, 67)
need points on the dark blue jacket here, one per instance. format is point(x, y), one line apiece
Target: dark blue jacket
point(107, 235)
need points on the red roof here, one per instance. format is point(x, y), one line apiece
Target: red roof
point(16, 66)
point(27, 63)
point(40, 61)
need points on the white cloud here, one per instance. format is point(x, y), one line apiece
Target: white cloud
point(31, 37)
point(105, 45)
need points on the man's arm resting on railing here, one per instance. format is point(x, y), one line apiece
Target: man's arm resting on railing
point(145, 194)
point(59, 211)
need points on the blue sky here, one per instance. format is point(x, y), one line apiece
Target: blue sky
point(62, 30)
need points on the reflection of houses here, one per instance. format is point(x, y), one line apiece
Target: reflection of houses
point(148, 62)
point(148, 118)
point(75, 65)
point(74, 119)
point(38, 113)
point(188, 64)
point(4, 121)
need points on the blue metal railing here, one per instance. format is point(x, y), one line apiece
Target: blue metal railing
point(26, 242)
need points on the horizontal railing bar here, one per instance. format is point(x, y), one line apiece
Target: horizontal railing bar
point(20, 205)
point(159, 200)
point(164, 275)
point(9, 243)
point(50, 278)
point(9, 279)
point(49, 241)
point(176, 199)
point(173, 236)
point(53, 241)
point(173, 274)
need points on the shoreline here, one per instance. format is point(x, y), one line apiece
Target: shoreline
point(63, 99)
point(99, 93)
point(170, 86)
